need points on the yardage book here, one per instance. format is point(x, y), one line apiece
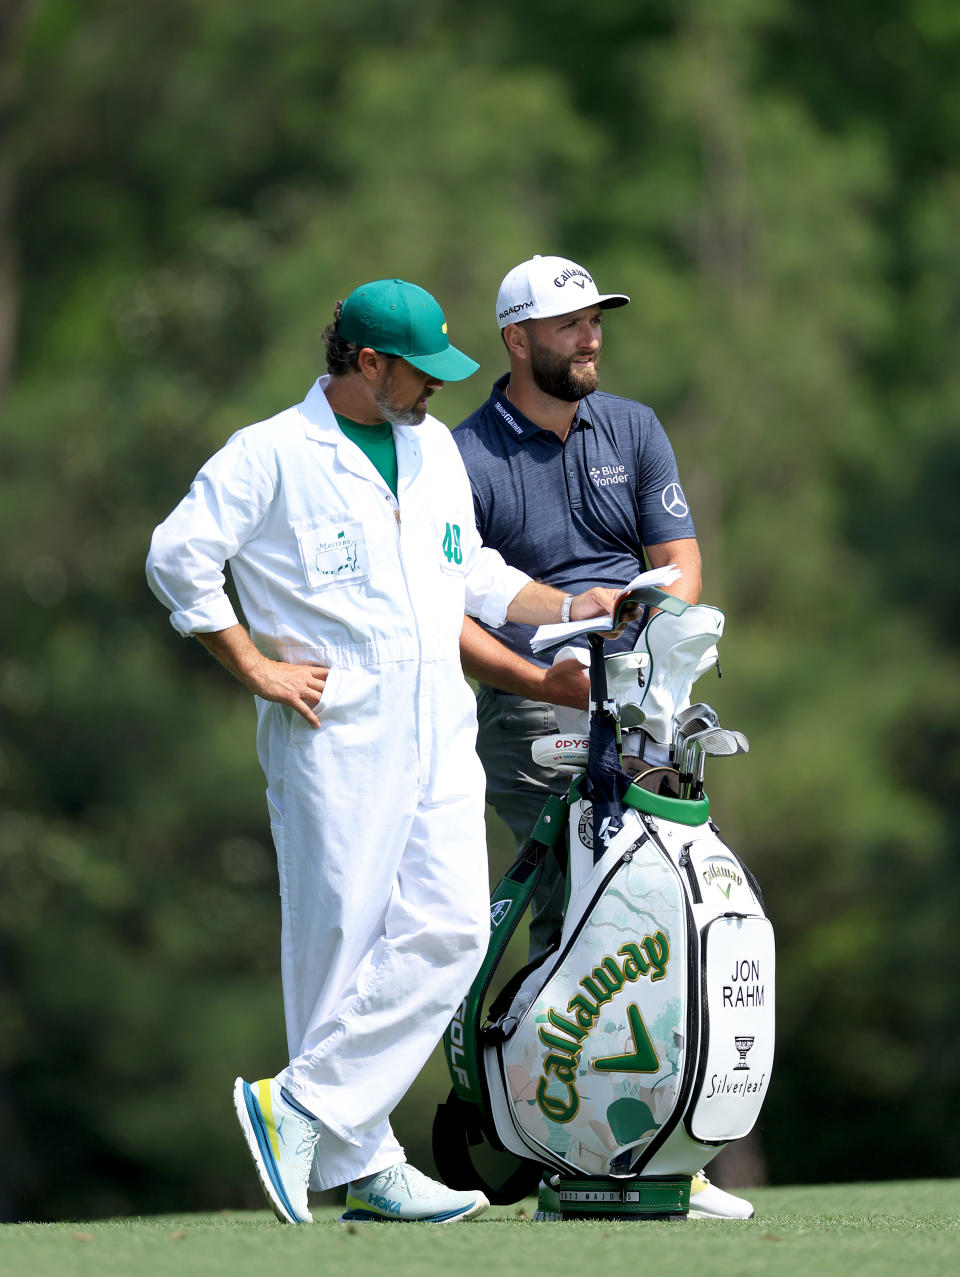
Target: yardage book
point(644, 588)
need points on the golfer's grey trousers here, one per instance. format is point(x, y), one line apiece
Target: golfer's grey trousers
point(517, 788)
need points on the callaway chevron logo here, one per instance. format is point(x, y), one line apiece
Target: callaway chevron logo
point(721, 869)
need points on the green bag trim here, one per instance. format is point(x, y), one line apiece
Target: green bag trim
point(507, 906)
point(652, 596)
point(615, 1199)
point(552, 822)
point(686, 811)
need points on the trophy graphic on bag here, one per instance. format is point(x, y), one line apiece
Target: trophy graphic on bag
point(743, 1045)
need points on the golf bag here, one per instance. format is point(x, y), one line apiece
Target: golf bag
point(617, 1065)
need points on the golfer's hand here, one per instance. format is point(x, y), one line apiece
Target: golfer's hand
point(600, 602)
point(567, 683)
point(299, 686)
point(597, 601)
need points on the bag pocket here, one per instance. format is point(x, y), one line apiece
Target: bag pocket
point(738, 1012)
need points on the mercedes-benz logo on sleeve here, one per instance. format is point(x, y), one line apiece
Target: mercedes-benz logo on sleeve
point(674, 502)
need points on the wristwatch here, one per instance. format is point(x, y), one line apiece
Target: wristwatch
point(565, 608)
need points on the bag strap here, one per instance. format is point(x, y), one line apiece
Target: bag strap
point(464, 1121)
point(458, 1126)
point(508, 904)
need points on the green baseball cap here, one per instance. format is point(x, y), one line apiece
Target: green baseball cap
point(397, 318)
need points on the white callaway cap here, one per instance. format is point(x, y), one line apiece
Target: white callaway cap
point(548, 286)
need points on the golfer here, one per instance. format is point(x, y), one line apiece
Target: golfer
point(570, 484)
point(348, 524)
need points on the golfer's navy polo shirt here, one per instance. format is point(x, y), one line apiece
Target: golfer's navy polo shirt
point(576, 513)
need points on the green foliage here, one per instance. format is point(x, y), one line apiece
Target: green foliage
point(192, 186)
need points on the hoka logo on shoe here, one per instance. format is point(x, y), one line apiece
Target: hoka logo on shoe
point(384, 1204)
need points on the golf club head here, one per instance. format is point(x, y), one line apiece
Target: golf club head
point(697, 707)
point(719, 742)
point(699, 710)
point(694, 723)
point(715, 742)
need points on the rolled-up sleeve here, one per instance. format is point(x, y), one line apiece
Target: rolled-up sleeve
point(224, 507)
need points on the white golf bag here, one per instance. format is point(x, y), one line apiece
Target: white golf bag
point(620, 1063)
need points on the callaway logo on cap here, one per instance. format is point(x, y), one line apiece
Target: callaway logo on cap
point(397, 318)
point(548, 286)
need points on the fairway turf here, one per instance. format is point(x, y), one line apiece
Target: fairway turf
point(853, 1230)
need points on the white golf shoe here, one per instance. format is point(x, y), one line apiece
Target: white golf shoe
point(281, 1136)
point(402, 1194)
point(709, 1202)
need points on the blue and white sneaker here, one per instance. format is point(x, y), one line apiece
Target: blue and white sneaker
point(709, 1202)
point(281, 1136)
point(401, 1193)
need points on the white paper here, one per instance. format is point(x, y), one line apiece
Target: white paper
point(548, 636)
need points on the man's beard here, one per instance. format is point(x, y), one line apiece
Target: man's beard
point(398, 416)
point(554, 375)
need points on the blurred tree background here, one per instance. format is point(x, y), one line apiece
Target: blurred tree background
point(185, 190)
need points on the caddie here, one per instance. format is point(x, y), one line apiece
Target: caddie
point(348, 525)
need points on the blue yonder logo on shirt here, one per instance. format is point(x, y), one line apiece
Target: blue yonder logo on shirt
point(604, 476)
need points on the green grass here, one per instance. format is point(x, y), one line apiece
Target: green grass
point(853, 1230)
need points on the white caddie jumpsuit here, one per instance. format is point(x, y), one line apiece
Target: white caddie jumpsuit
point(377, 815)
